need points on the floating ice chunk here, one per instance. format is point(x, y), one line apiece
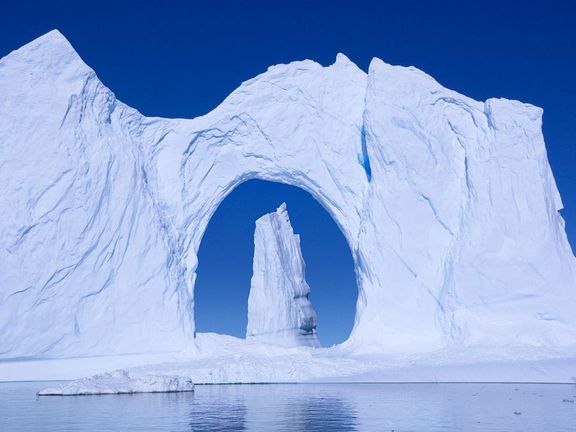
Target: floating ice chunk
point(121, 382)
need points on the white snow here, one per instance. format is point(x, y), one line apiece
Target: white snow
point(448, 205)
point(121, 382)
point(224, 359)
point(279, 310)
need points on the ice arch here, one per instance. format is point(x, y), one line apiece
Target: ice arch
point(301, 153)
point(448, 204)
point(225, 261)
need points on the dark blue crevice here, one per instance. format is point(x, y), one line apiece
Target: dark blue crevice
point(363, 159)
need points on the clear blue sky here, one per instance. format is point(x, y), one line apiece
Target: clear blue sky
point(180, 59)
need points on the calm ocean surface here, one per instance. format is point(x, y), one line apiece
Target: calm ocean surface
point(301, 407)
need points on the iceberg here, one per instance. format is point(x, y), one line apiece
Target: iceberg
point(448, 205)
point(279, 310)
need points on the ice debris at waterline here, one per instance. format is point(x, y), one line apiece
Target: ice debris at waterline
point(121, 382)
point(448, 205)
point(279, 310)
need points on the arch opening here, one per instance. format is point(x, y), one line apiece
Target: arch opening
point(226, 251)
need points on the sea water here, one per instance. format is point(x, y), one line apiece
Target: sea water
point(299, 407)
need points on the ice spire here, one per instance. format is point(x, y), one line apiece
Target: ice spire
point(279, 310)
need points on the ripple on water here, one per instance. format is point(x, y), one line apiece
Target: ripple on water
point(299, 407)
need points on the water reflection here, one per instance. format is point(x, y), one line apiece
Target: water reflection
point(298, 408)
point(270, 407)
point(325, 414)
point(314, 407)
point(221, 409)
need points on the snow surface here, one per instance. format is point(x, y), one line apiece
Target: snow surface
point(225, 359)
point(448, 205)
point(121, 382)
point(279, 310)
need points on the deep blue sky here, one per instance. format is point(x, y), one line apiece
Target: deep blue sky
point(180, 59)
point(225, 261)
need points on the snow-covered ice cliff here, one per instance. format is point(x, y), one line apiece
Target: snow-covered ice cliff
point(448, 205)
point(279, 310)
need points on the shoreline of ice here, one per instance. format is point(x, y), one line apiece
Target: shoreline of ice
point(220, 359)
